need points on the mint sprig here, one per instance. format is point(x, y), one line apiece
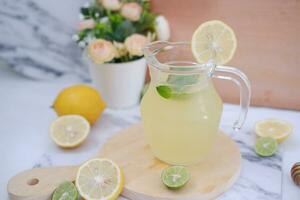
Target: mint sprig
point(175, 86)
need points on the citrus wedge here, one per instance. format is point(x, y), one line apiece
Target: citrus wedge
point(275, 128)
point(214, 40)
point(99, 179)
point(69, 131)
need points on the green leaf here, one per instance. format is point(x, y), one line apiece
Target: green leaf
point(124, 30)
point(146, 22)
point(85, 11)
point(82, 34)
point(90, 12)
point(164, 91)
point(103, 31)
point(182, 80)
point(179, 81)
point(115, 20)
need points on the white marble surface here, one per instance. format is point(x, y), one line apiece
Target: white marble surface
point(24, 141)
point(36, 34)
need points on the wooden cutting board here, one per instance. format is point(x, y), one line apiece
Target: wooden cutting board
point(129, 149)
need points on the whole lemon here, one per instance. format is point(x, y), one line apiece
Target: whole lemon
point(81, 100)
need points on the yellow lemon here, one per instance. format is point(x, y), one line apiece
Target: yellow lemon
point(69, 131)
point(99, 179)
point(81, 100)
point(275, 128)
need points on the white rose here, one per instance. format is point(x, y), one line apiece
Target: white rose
point(111, 4)
point(131, 11)
point(86, 24)
point(135, 43)
point(101, 51)
point(121, 49)
point(162, 28)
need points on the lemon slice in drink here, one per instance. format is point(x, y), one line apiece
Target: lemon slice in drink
point(99, 179)
point(65, 191)
point(275, 128)
point(214, 40)
point(69, 130)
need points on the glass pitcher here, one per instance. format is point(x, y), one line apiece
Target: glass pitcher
point(181, 109)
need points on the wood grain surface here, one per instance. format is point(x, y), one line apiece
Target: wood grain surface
point(268, 34)
point(130, 151)
point(142, 170)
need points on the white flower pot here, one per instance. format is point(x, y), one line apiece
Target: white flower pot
point(120, 84)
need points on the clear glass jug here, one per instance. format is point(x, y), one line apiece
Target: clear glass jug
point(181, 109)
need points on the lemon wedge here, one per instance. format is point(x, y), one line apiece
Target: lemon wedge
point(214, 40)
point(99, 179)
point(69, 131)
point(275, 128)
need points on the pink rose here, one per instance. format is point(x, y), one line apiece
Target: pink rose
point(111, 4)
point(131, 11)
point(86, 24)
point(101, 51)
point(135, 43)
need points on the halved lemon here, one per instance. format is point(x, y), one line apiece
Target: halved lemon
point(69, 131)
point(275, 128)
point(214, 40)
point(99, 179)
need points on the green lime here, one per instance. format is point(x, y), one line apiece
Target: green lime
point(266, 146)
point(175, 177)
point(65, 191)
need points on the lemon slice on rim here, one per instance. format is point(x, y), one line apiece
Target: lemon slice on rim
point(275, 128)
point(214, 40)
point(99, 179)
point(69, 130)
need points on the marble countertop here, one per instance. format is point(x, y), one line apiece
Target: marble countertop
point(36, 41)
point(24, 141)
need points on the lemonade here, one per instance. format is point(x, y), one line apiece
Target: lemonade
point(182, 130)
point(181, 110)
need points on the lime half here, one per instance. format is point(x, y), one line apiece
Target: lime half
point(266, 146)
point(175, 177)
point(65, 191)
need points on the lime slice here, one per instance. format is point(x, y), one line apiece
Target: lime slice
point(275, 128)
point(214, 40)
point(99, 179)
point(65, 191)
point(175, 177)
point(266, 146)
point(69, 131)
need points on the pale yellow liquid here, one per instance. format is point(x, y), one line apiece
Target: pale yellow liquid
point(182, 131)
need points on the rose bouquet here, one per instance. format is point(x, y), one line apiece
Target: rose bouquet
point(115, 31)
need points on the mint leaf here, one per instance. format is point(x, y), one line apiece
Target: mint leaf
point(164, 91)
point(123, 30)
point(179, 81)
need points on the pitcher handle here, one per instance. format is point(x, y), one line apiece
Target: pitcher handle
point(239, 78)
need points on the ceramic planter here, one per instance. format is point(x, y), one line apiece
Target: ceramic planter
point(120, 84)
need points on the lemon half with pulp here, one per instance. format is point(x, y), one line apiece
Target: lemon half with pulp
point(69, 131)
point(275, 128)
